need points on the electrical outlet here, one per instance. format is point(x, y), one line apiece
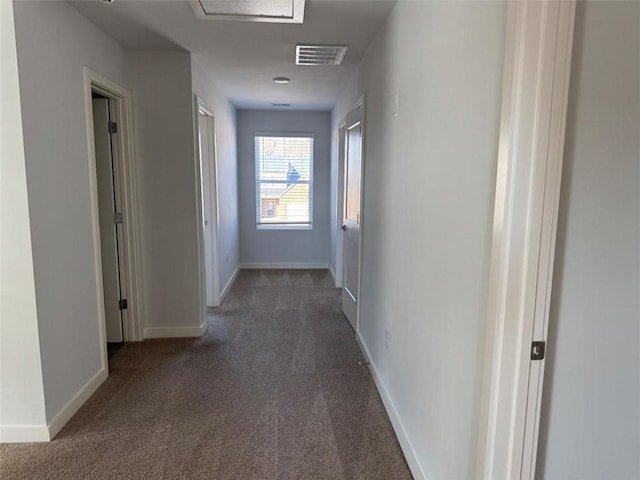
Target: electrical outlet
point(387, 334)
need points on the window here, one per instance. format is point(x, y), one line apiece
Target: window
point(284, 181)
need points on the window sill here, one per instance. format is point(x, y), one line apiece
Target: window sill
point(291, 226)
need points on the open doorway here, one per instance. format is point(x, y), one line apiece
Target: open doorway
point(114, 211)
point(111, 218)
point(208, 203)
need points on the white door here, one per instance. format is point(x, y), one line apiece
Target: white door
point(205, 130)
point(351, 222)
point(108, 227)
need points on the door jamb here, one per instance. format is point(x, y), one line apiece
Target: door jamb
point(340, 185)
point(131, 265)
point(534, 106)
point(201, 106)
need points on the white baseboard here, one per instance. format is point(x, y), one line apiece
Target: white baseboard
point(175, 332)
point(227, 287)
point(396, 423)
point(24, 433)
point(283, 265)
point(64, 415)
point(46, 433)
point(333, 274)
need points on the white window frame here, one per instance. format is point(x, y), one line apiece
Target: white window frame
point(257, 181)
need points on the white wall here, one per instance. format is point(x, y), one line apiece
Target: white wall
point(22, 391)
point(226, 151)
point(429, 178)
point(165, 149)
point(54, 42)
point(591, 402)
point(278, 246)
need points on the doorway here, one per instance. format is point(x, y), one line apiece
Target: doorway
point(114, 212)
point(110, 218)
point(208, 203)
point(352, 148)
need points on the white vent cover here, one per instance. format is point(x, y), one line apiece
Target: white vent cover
point(319, 55)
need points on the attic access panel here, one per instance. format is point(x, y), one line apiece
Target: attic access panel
point(274, 11)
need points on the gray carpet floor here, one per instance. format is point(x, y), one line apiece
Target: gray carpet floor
point(273, 390)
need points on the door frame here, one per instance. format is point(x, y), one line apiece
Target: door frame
point(127, 185)
point(340, 204)
point(532, 131)
point(202, 107)
point(338, 275)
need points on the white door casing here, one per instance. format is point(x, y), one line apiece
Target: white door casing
point(534, 104)
point(126, 186)
point(351, 226)
point(108, 229)
point(339, 256)
point(207, 188)
point(206, 218)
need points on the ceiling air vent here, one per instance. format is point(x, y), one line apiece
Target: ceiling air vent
point(319, 55)
point(280, 104)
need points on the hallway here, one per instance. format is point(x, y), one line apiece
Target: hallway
point(272, 391)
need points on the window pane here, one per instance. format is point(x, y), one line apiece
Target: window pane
point(284, 183)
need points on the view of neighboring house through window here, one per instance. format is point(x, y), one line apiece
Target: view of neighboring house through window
point(284, 180)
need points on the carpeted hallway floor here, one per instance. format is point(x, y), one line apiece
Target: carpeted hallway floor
point(272, 391)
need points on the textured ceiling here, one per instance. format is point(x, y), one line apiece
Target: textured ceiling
point(243, 57)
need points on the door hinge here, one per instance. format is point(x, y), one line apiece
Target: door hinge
point(123, 304)
point(118, 218)
point(537, 350)
point(113, 127)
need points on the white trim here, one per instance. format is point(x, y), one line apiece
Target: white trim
point(535, 92)
point(24, 433)
point(283, 226)
point(297, 17)
point(201, 106)
point(175, 332)
point(258, 181)
point(360, 104)
point(283, 265)
point(333, 274)
point(227, 287)
point(396, 422)
point(128, 186)
point(340, 181)
point(72, 406)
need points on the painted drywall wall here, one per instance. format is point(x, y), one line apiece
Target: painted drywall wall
point(21, 389)
point(288, 246)
point(54, 42)
point(165, 149)
point(591, 402)
point(429, 187)
point(226, 151)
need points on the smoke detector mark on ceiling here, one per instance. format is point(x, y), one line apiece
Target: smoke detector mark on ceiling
point(320, 54)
